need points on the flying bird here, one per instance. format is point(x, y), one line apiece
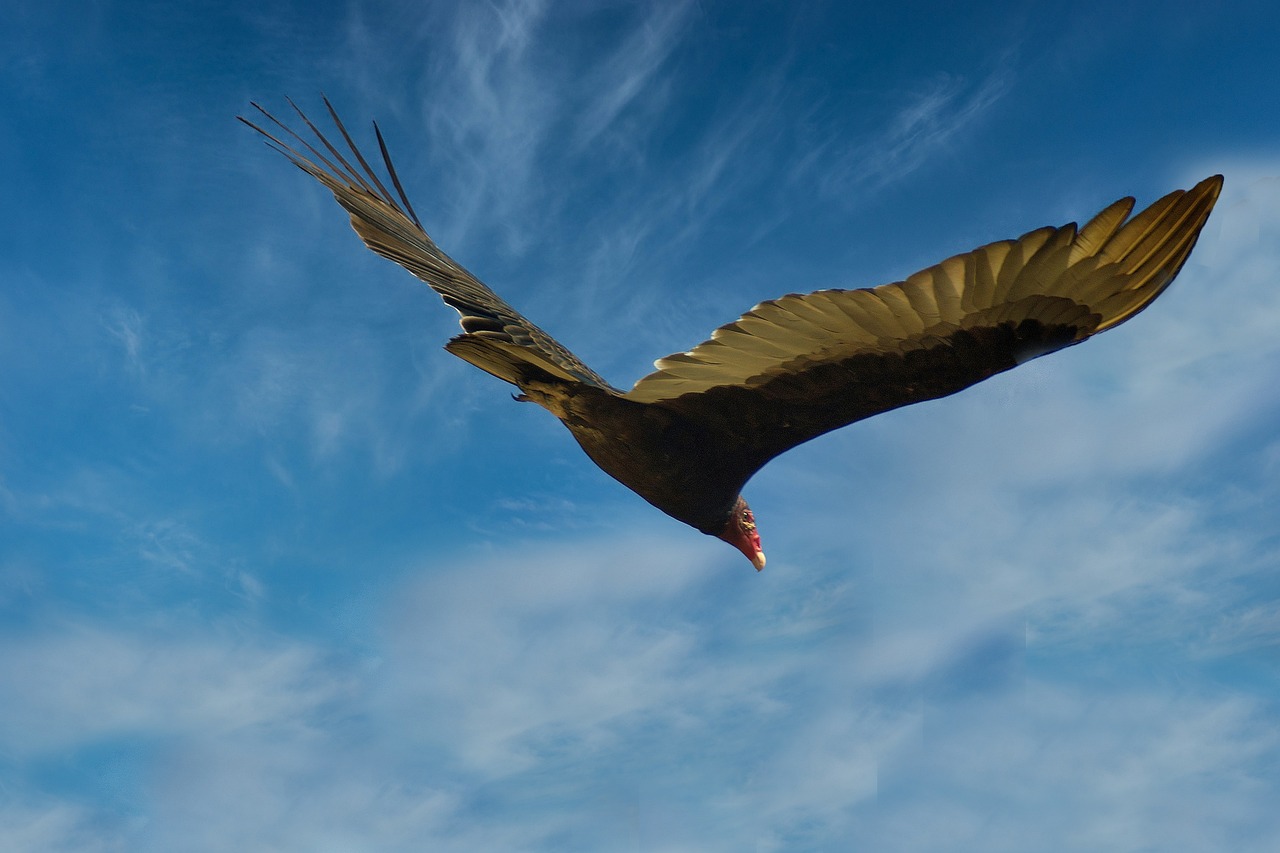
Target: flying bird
point(688, 436)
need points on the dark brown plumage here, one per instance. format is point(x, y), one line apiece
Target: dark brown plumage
point(687, 437)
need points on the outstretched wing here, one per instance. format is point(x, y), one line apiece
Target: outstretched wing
point(802, 365)
point(496, 338)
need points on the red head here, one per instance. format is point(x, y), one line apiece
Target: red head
point(740, 532)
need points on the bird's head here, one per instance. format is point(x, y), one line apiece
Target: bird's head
point(740, 532)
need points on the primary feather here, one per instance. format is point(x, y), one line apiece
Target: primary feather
point(688, 436)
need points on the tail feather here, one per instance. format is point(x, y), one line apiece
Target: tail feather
point(507, 361)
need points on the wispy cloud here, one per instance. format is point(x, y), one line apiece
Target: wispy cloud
point(125, 326)
point(552, 669)
point(1074, 774)
point(630, 69)
point(1032, 616)
point(84, 683)
point(510, 689)
point(927, 121)
point(34, 824)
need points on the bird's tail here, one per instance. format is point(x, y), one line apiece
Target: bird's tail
point(507, 361)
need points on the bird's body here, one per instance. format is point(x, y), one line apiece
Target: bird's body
point(687, 437)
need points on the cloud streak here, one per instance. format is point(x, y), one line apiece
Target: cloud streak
point(275, 572)
point(927, 122)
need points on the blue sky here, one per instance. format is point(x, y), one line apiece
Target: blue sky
point(278, 573)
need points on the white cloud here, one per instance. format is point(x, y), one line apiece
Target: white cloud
point(641, 692)
point(1004, 621)
point(47, 825)
point(81, 683)
point(1056, 768)
point(553, 648)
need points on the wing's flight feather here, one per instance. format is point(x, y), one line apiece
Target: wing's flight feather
point(801, 365)
point(1097, 231)
point(496, 337)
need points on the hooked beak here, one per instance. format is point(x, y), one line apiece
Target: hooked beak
point(740, 532)
point(749, 545)
point(748, 542)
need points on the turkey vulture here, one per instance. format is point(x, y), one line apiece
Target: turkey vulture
point(688, 436)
